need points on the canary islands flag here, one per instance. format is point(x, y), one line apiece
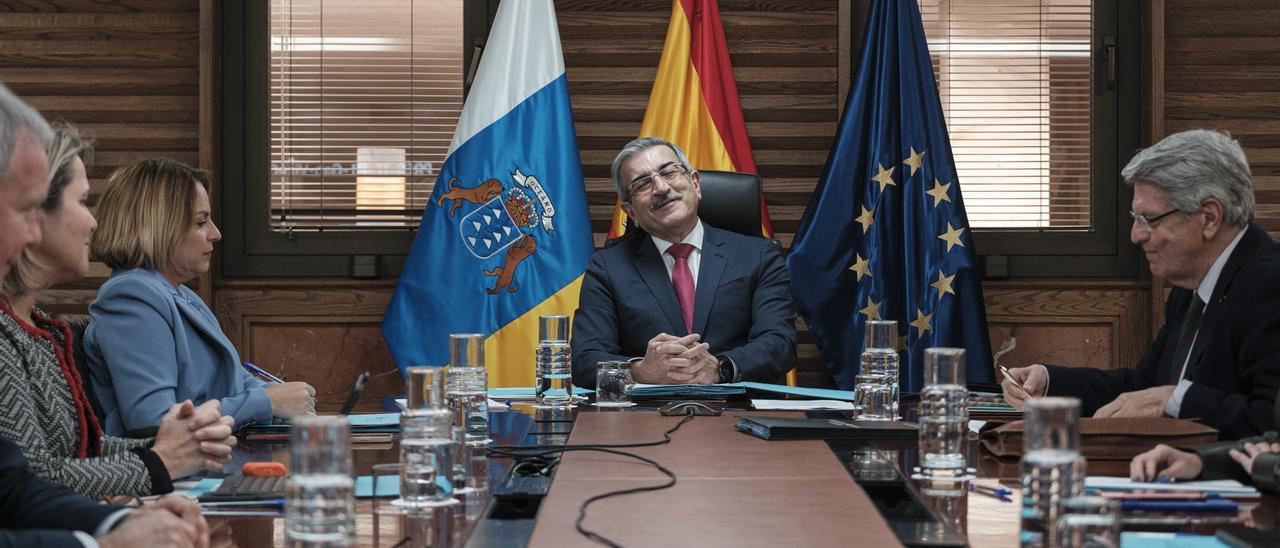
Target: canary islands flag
point(505, 237)
point(885, 236)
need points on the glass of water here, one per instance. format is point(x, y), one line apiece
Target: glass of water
point(426, 440)
point(875, 392)
point(614, 384)
point(320, 494)
point(1089, 522)
point(468, 385)
point(552, 371)
point(1052, 468)
point(944, 413)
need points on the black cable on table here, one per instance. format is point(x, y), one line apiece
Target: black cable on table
point(516, 452)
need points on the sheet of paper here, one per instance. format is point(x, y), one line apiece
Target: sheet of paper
point(388, 486)
point(975, 426)
point(1227, 486)
point(800, 405)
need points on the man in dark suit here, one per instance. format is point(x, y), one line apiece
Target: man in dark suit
point(684, 301)
point(1217, 358)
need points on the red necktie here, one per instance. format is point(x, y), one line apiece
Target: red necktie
point(682, 279)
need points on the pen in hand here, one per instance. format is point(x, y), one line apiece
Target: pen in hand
point(261, 372)
point(1008, 375)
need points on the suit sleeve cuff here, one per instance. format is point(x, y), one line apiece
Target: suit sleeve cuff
point(110, 522)
point(1174, 405)
point(85, 539)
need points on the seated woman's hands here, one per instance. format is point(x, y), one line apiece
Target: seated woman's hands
point(191, 438)
point(292, 398)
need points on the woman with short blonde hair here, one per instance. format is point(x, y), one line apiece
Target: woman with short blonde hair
point(152, 341)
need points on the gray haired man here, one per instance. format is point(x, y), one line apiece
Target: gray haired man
point(24, 175)
point(1217, 358)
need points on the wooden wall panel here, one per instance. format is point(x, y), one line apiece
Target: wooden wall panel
point(125, 72)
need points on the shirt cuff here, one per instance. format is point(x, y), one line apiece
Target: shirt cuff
point(737, 373)
point(85, 539)
point(1174, 406)
point(1046, 378)
point(110, 523)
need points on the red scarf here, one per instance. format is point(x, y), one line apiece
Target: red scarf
point(90, 429)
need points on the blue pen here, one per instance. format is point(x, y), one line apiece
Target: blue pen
point(259, 371)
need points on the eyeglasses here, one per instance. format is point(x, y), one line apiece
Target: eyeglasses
point(1149, 223)
point(644, 185)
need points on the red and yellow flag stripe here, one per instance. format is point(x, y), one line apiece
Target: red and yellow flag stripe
point(694, 102)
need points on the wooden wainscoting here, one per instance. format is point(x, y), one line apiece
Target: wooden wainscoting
point(323, 333)
point(1099, 324)
point(326, 333)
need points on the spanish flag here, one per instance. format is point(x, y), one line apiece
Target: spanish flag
point(694, 102)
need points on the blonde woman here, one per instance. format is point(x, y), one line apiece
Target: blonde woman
point(152, 341)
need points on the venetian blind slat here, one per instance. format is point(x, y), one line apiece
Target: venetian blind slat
point(1014, 77)
point(364, 101)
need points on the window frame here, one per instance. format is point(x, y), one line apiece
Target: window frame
point(250, 248)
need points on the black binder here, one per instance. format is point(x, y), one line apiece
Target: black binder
point(792, 428)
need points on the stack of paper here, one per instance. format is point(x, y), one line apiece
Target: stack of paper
point(1227, 488)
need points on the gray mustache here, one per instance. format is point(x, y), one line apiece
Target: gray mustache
point(661, 201)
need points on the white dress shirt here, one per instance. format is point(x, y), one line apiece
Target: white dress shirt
point(695, 257)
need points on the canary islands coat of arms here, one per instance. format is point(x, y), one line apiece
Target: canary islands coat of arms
point(501, 218)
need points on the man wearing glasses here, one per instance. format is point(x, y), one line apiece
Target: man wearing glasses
point(1217, 358)
point(684, 301)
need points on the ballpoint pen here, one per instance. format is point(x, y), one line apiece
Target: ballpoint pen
point(259, 371)
point(998, 493)
point(1005, 371)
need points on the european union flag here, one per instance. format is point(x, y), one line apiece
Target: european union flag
point(506, 236)
point(885, 234)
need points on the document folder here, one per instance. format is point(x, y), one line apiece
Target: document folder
point(792, 428)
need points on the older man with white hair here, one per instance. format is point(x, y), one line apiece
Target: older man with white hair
point(1217, 358)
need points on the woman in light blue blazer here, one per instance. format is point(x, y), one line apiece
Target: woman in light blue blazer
point(152, 341)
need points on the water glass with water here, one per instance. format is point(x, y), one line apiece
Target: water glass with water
point(427, 445)
point(944, 413)
point(614, 384)
point(553, 375)
point(876, 385)
point(1089, 522)
point(320, 504)
point(467, 387)
point(1052, 468)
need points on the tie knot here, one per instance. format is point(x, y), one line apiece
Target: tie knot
point(680, 251)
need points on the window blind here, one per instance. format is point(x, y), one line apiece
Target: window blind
point(365, 96)
point(1015, 79)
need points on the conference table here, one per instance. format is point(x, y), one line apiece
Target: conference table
point(731, 489)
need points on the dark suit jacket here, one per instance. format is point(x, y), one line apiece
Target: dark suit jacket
point(37, 512)
point(742, 307)
point(1235, 363)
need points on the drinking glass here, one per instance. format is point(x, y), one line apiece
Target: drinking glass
point(1052, 467)
point(614, 384)
point(553, 375)
point(944, 413)
point(876, 385)
point(320, 494)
